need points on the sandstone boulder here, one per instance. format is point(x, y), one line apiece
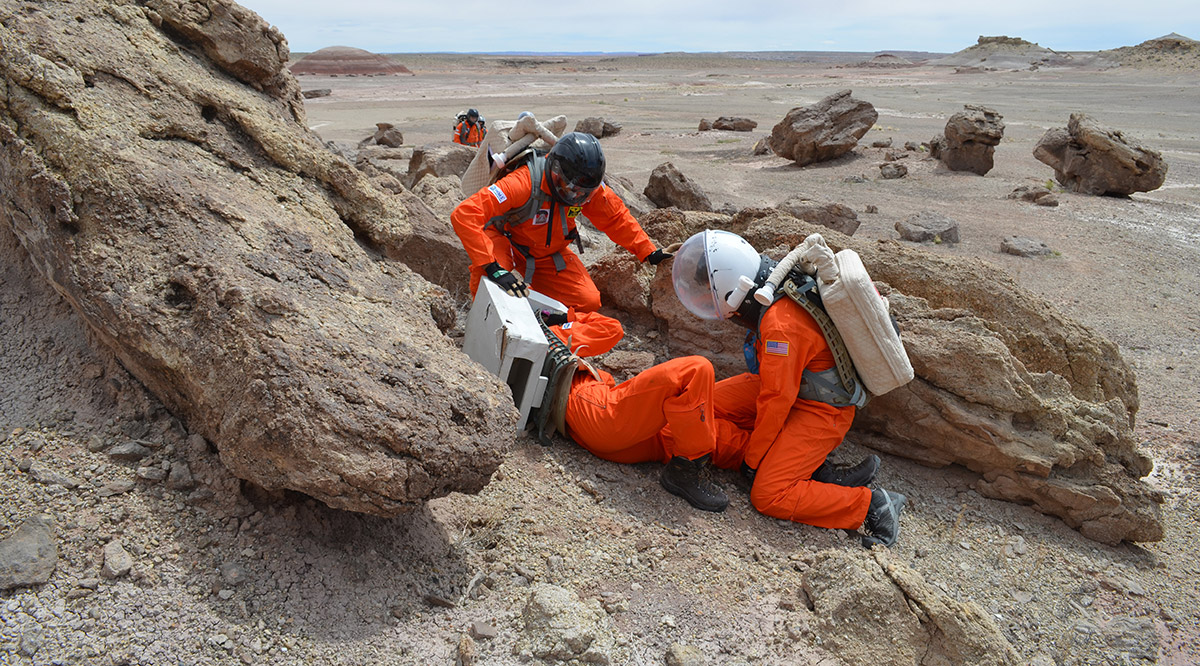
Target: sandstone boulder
point(442, 195)
point(208, 238)
point(734, 124)
point(637, 202)
point(597, 127)
point(1038, 194)
point(828, 129)
point(439, 160)
point(928, 227)
point(892, 171)
point(1038, 405)
point(969, 141)
point(838, 217)
point(1091, 159)
point(669, 187)
point(385, 134)
point(705, 125)
point(922, 624)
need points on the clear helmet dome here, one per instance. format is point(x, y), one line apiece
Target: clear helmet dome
point(706, 269)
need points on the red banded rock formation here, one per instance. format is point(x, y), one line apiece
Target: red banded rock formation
point(347, 61)
point(1039, 406)
point(211, 241)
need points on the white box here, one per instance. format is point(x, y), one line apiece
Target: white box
point(504, 337)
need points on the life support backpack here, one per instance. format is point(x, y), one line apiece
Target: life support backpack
point(559, 370)
point(840, 385)
point(536, 161)
point(855, 310)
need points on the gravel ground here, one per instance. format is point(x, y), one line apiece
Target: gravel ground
point(164, 558)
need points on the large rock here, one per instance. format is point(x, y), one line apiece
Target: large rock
point(734, 124)
point(828, 129)
point(839, 217)
point(1038, 405)
point(217, 247)
point(669, 187)
point(597, 127)
point(870, 609)
point(29, 555)
point(969, 141)
point(1091, 159)
point(439, 160)
point(637, 202)
point(559, 628)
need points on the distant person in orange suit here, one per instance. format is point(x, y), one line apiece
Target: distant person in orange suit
point(664, 413)
point(470, 129)
point(791, 411)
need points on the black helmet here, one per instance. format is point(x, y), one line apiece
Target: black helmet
point(473, 114)
point(575, 168)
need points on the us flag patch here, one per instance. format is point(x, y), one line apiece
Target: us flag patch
point(776, 347)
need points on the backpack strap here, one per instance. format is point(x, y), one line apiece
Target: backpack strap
point(503, 223)
point(848, 390)
point(559, 369)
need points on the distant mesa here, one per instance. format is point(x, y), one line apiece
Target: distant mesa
point(1005, 53)
point(886, 60)
point(347, 61)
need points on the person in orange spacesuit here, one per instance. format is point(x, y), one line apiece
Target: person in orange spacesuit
point(518, 231)
point(790, 412)
point(471, 129)
point(663, 413)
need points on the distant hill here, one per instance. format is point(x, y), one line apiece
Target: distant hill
point(1173, 51)
point(1006, 53)
point(346, 61)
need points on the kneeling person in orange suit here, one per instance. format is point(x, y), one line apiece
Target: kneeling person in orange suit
point(789, 414)
point(664, 413)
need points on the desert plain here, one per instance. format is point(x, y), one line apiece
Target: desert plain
point(237, 578)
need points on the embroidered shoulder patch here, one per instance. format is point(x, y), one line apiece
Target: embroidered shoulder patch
point(566, 325)
point(574, 211)
point(541, 217)
point(498, 193)
point(776, 347)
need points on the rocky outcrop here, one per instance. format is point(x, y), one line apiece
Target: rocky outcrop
point(1091, 159)
point(385, 134)
point(928, 227)
point(969, 141)
point(1038, 405)
point(826, 130)
point(734, 124)
point(438, 160)
point(637, 202)
point(923, 625)
point(838, 217)
point(212, 242)
point(346, 61)
point(669, 187)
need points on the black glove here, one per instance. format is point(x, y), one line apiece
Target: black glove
point(554, 318)
point(510, 282)
point(656, 257)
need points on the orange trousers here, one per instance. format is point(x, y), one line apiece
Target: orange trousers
point(571, 286)
point(783, 486)
point(664, 411)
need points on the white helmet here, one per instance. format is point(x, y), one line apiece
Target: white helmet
point(709, 267)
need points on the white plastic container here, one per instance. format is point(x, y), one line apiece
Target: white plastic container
point(503, 336)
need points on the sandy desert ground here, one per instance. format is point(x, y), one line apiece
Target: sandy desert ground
point(224, 578)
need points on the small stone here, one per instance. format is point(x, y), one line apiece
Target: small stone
point(155, 474)
point(29, 555)
point(117, 561)
point(115, 488)
point(233, 574)
point(482, 630)
point(128, 452)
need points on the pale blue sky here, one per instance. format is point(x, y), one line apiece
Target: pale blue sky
point(649, 26)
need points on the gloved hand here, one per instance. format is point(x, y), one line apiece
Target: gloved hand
point(510, 282)
point(657, 257)
point(554, 318)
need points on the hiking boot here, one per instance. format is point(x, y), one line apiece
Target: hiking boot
point(852, 477)
point(689, 480)
point(882, 524)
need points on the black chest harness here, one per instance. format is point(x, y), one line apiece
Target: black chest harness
point(506, 221)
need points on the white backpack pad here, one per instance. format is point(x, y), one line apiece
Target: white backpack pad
point(861, 316)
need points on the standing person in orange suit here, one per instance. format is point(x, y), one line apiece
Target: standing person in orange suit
point(471, 129)
point(518, 231)
point(790, 412)
point(664, 413)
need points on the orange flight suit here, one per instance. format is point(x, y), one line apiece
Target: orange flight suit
point(627, 422)
point(469, 134)
point(542, 234)
point(783, 437)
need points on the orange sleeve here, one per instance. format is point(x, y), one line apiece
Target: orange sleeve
point(608, 213)
point(471, 216)
point(787, 345)
point(589, 333)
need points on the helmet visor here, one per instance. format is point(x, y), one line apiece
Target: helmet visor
point(570, 192)
point(690, 277)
